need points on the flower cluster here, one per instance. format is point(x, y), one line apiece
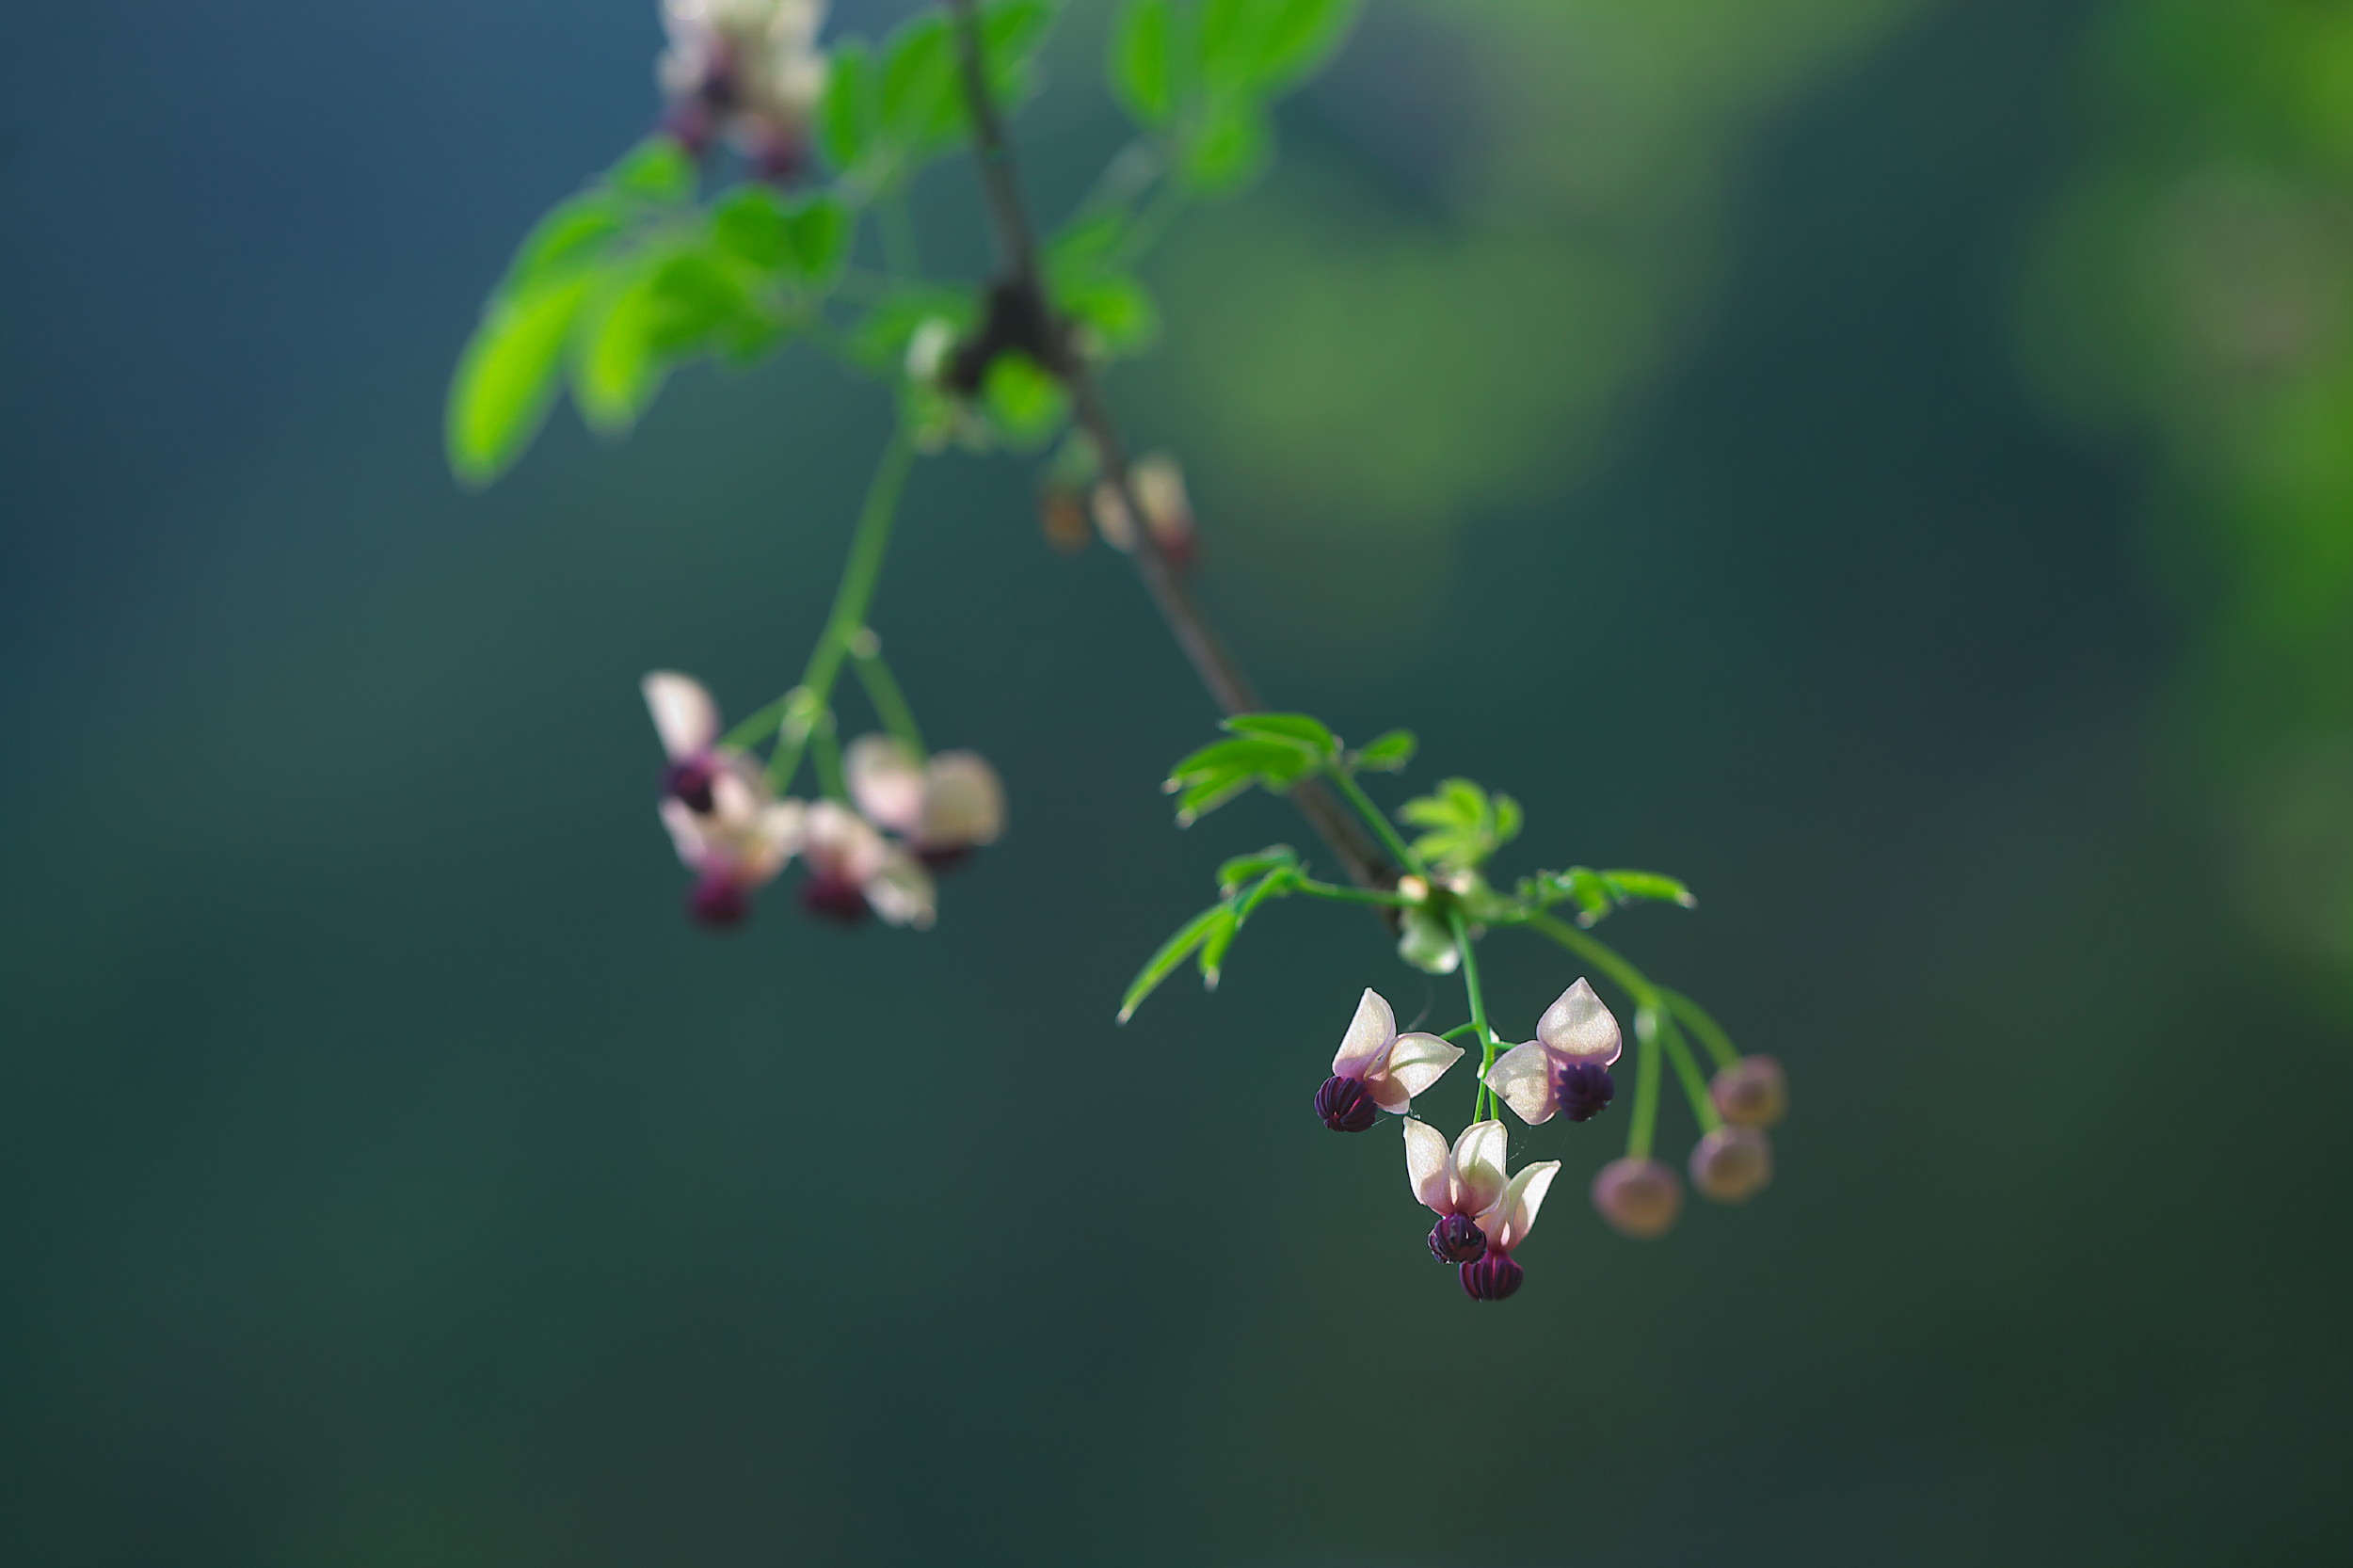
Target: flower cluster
point(905, 817)
point(744, 71)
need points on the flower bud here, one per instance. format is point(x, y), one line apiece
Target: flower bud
point(1586, 1090)
point(690, 781)
point(1346, 1105)
point(1751, 1092)
point(1639, 1197)
point(1732, 1165)
point(717, 902)
point(1491, 1278)
point(1457, 1239)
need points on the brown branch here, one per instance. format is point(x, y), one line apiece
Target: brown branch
point(1022, 296)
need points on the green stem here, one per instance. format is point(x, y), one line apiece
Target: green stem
point(1481, 1103)
point(881, 690)
point(1458, 1029)
point(1313, 889)
point(1381, 825)
point(1694, 1086)
point(869, 540)
point(1645, 1118)
point(826, 759)
point(758, 726)
point(1598, 954)
point(1711, 1034)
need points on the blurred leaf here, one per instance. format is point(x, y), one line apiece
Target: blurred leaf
point(1025, 402)
point(1230, 149)
point(1281, 760)
point(805, 240)
point(1215, 940)
point(1142, 66)
point(849, 118)
point(575, 234)
point(748, 223)
point(819, 229)
point(657, 169)
point(878, 340)
point(506, 378)
point(1263, 45)
point(616, 370)
point(1241, 868)
point(1631, 885)
point(1012, 33)
point(1120, 312)
point(1427, 943)
point(1388, 753)
point(1164, 963)
point(1298, 728)
point(920, 106)
point(1465, 826)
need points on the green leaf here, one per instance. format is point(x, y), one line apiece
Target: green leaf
point(1230, 147)
point(1164, 963)
point(1388, 753)
point(849, 118)
point(818, 230)
point(1143, 74)
point(1631, 885)
point(1012, 33)
point(1298, 728)
point(506, 378)
point(1214, 941)
point(575, 234)
point(656, 170)
point(1283, 760)
point(878, 340)
point(1118, 311)
point(1241, 868)
point(920, 105)
point(1264, 45)
point(1207, 794)
point(749, 224)
point(1593, 894)
point(1024, 403)
point(616, 370)
point(1506, 826)
point(1465, 827)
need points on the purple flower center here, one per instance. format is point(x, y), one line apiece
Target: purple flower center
point(1346, 1105)
point(834, 896)
point(1586, 1090)
point(1457, 1239)
point(1491, 1277)
point(718, 903)
point(690, 781)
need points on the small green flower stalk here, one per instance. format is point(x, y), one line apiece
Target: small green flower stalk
point(1442, 904)
point(771, 210)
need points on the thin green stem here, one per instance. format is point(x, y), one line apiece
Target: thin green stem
point(1383, 828)
point(825, 756)
point(1458, 1029)
point(1314, 889)
point(1646, 1119)
point(881, 690)
point(1597, 954)
point(1694, 1086)
point(1711, 1034)
point(869, 541)
point(758, 725)
point(1481, 1103)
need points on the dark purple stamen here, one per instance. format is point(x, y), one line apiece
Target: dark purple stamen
point(834, 896)
point(1457, 1239)
point(690, 781)
point(1346, 1105)
point(718, 903)
point(1491, 1277)
point(1585, 1090)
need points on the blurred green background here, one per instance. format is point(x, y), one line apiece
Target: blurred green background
point(1887, 463)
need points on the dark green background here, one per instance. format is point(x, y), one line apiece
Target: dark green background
point(392, 1176)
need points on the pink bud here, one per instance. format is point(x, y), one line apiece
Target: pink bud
point(1639, 1198)
point(1732, 1165)
point(1751, 1092)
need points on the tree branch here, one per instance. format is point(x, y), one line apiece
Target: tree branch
point(1023, 290)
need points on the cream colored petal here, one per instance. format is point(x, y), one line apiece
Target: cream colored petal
point(1524, 1078)
point(683, 714)
point(900, 892)
point(1415, 1062)
point(886, 781)
point(687, 837)
point(1369, 1035)
point(1581, 1028)
point(739, 791)
point(963, 801)
point(1513, 1216)
point(836, 838)
point(1426, 1164)
point(1475, 1169)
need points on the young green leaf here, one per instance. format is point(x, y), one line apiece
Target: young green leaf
point(1263, 46)
point(1116, 312)
point(616, 369)
point(1465, 826)
point(818, 230)
point(1214, 941)
point(1012, 33)
point(1024, 403)
point(1388, 753)
point(1229, 148)
point(749, 224)
point(1280, 761)
point(1164, 963)
point(919, 103)
point(1297, 729)
point(849, 118)
point(1143, 74)
point(1241, 868)
point(657, 169)
point(506, 378)
point(574, 234)
point(1631, 885)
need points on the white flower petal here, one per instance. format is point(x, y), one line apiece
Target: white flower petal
point(1410, 1064)
point(687, 837)
point(1426, 1169)
point(1475, 1171)
point(836, 838)
point(1513, 1216)
point(900, 892)
point(1523, 1078)
point(683, 714)
point(1369, 1035)
point(886, 781)
point(1579, 1027)
point(963, 802)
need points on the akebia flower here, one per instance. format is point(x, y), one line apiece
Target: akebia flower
point(943, 808)
point(853, 869)
point(1159, 486)
point(1732, 1165)
point(1639, 1197)
point(1458, 1184)
point(748, 70)
point(1751, 1092)
point(726, 824)
point(1378, 1069)
point(1565, 1070)
point(687, 722)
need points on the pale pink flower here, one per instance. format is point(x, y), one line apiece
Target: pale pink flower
point(1566, 1067)
point(1158, 483)
point(726, 824)
point(748, 70)
point(1482, 1214)
point(1639, 1197)
point(1753, 1091)
point(1732, 1165)
point(943, 808)
point(853, 868)
point(1378, 1069)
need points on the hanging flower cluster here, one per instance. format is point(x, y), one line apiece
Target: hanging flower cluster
point(747, 71)
point(872, 854)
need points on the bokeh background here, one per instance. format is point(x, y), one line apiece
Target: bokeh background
point(1885, 461)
